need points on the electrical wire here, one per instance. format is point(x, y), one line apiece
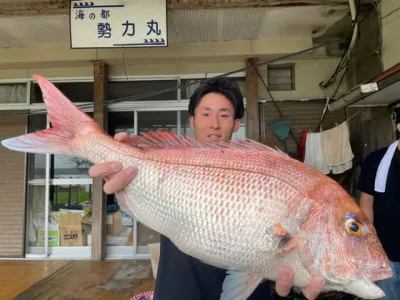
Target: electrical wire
point(347, 56)
point(344, 63)
point(158, 92)
point(391, 13)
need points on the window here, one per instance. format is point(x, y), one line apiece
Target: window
point(13, 93)
point(70, 196)
point(188, 86)
point(61, 166)
point(65, 182)
point(123, 89)
point(69, 190)
point(281, 77)
point(122, 230)
point(157, 120)
point(74, 91)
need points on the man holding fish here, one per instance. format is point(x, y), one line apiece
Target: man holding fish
point(215, 110)
point(238, 206)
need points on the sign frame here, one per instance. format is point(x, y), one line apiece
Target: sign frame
point(151, 42)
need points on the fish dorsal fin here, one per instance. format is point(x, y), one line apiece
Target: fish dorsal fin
point(160, 139)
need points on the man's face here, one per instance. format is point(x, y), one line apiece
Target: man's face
point(214, 119)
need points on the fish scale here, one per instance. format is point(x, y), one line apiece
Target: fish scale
point(241, 206)
point(233, 211)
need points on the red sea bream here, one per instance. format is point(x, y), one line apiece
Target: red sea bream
point(241, 206)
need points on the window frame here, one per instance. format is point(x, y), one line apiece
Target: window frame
point(286, 66)
point(179, 105)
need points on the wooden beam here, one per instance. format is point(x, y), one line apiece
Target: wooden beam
point(35, 8)
point(209, 4)
point(57, 7)
point(99, 209)
point(252, 111)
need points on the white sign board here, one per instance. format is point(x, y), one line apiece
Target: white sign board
point(117, 23)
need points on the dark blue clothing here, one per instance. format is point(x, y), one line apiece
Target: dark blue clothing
point(386, 205)
point(182, 277)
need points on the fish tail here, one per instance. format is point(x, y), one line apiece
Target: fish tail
point(70, 125)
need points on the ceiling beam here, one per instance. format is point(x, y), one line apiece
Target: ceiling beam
point(205, 4)
point(57, 7)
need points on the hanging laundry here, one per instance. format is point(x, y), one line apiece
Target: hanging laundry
point(337, 149)
point(301, 148)
point(314, 155)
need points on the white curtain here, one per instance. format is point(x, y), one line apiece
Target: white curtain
point(12, 93)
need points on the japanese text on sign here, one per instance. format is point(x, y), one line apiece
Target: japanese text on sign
point(135, 23)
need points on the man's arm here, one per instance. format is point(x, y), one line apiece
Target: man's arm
point(367, 205)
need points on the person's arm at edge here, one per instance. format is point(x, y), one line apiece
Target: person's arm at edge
point(367, 205)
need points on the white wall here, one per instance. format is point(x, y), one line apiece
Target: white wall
point(308, 75)
point(186, 58)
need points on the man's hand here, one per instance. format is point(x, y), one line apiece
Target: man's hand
point(284, 284)
point(121, 177)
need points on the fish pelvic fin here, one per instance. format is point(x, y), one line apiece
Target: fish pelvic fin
point(239, 285)
point(68, 122)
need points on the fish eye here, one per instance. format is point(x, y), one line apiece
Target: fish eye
point(354, 227)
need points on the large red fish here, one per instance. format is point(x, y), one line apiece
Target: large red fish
point(241, 206)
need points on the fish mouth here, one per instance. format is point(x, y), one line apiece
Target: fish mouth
point(364, 289)
point(363, 286)
point(375, 273)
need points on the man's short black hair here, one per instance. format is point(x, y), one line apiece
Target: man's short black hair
point(221, 85)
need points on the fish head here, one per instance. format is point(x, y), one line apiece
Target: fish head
point(341, 244)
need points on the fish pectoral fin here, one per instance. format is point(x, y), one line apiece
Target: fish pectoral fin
point(239, 285)
point(292, 244)
point(281, 237)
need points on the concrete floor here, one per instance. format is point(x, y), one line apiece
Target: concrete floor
point(116, 279)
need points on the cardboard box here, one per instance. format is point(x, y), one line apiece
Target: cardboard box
point(71, 230)
point(114, 223)
point(129, 240)
point(155, 257)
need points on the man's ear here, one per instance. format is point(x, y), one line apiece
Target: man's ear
point(398, 129)
point(237, 125)
point(191, 118)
